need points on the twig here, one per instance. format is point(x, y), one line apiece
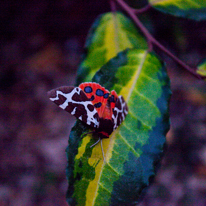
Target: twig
point(142, 10)
point(151, 40)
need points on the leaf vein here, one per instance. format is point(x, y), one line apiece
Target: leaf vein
point(128, 145)
point(101, 185)
point(149, 77)
point(113, 169)
point(147, 99)
point(138, 119)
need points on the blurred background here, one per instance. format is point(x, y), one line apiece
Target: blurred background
point(41, 43)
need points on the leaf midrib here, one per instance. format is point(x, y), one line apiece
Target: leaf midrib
point(136, 77)
point(117, 49)
point(113, 134)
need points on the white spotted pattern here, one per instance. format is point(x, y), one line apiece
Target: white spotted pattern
point(68, 96)
point(121, 113)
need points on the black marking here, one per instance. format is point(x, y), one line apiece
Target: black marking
point(120, 111)
point(98, 105)
point(105, 126)
point(80, 97)
point(111, 99)
point(65, 89)
point(92, 124)
point(99, 93)
point(118, 105)
point(87, 89)
point(96, 116)
point(92, 98)
point(61, 99)
point(106, 95)
point(90, 107)
point(114, 113)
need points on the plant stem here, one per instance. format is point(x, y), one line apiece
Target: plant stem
point(142, 10)
point(180, 62)
point(151, 40)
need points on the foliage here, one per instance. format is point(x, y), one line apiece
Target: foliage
point(193, 9)
point(118, 58)
point(202, 69)
point(109, 35)
point(131, 149)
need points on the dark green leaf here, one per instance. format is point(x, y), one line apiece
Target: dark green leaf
point(110, 34)
point(201, 69)
point(193, 9)
point(133, 150)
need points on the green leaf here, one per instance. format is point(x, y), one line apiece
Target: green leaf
point(110, 34)
point(201, 69)
point(134, 149)
point(192, 9)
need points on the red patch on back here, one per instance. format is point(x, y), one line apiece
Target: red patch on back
point(99, 96)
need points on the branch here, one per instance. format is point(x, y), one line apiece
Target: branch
point(151, 40)
point(142, 10)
